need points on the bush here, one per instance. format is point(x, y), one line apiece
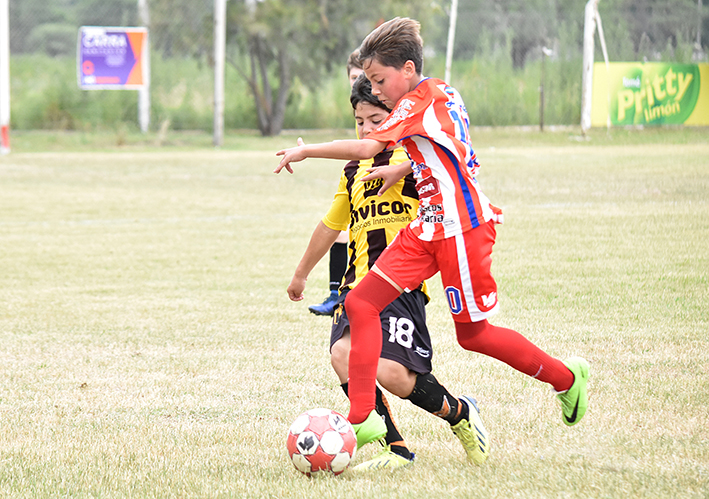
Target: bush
point(45, 95)
point(54, 39)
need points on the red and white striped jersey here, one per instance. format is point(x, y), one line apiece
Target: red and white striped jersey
point(432, 124)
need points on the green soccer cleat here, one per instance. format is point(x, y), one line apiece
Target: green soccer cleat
point(574, 401)
point(371, 429)
point(385, 460)
point(472, 433)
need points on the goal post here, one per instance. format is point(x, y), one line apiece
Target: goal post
point(592, 22)
point(4, 76)
point(589, 31)
point(144, 91)
point(219, 66)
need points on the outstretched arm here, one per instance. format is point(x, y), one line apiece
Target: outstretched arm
point(323, 237)
point(337, 149)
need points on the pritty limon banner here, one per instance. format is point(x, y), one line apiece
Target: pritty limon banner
point(650, 93)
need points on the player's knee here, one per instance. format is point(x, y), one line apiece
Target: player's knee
point(339, 354)
point(395, 378)
point(356, 304)
point(469, 334)
point(339, 358)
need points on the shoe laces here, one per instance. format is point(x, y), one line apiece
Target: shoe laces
point(460, 431)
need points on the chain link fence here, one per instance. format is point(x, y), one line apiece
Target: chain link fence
point(43, 46)
point(509, 56)
point(504, 52)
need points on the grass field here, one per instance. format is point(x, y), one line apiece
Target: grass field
point(148, 349)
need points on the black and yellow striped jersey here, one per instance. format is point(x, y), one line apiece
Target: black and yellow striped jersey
point(373, 220)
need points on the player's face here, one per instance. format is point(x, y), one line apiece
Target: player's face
point(388, 83)
point(368, 118)
point(354, 73)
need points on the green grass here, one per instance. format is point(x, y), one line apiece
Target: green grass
point(149, 348)
point(127, 139)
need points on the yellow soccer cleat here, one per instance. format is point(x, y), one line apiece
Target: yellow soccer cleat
point(472, 434)
point(385, 460)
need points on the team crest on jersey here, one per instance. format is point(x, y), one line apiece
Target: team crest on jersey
point(450, 92)
point(417, 168)
point(371, 187)
point(399, 114)
point(454, 99)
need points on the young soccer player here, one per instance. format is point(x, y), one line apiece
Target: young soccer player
point(338, 250)
point(405, 363)
point(453, 233)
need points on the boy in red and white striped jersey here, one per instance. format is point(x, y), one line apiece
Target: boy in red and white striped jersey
point(405, 363)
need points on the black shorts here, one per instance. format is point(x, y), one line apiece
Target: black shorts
point(405, 335)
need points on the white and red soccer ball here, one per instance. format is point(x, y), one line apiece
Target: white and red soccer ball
point(321, 441)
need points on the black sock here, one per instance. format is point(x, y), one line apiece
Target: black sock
point(338, 264)
point(393, 438)
point(431, 396)
point(402, 451)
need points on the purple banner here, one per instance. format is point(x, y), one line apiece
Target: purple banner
point(111, 57)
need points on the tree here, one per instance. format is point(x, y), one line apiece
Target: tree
point(51, 27)
point(181, 28)
point(652, 24)
point(27, 18)
point(518, 26)
point(113, 13)
point(272, 42)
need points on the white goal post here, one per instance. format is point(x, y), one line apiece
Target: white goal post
point(144, 91)
point(589, 29)
point(4, 76)
point(592, 19)
point(219, 63)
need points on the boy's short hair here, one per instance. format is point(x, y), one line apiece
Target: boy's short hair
point(353, 61)
point(362, 92)
point(393, 43)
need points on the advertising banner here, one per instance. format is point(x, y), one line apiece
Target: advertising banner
point(111, 58)
point(650, 93)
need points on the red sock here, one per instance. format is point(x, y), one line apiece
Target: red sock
point(363, 305)
point(514, 350)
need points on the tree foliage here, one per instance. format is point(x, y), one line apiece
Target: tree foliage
point(520, 27)
point(38, 25)
point(182, 28)
point(273, 42)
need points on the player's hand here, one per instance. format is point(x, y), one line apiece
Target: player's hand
point(390, 174)
point(291, 155)
point(296, 288)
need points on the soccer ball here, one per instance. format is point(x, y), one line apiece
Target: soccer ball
point(321, 441)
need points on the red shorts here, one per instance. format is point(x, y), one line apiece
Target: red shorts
point(464, 262)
